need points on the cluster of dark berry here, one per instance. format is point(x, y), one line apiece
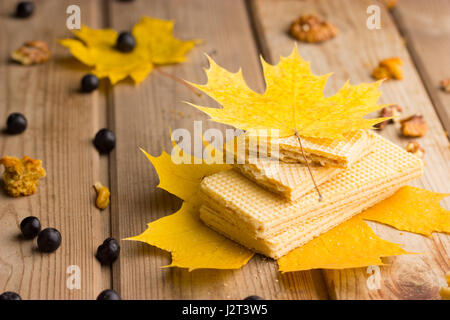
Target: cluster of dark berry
point(49, 239)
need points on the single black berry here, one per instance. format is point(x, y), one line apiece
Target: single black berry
point(49, 240)
point(105, 141)
point(253, 298)
point(89, 83)
point(24, 9)
point(16, 123)
point(109, 294)
point(125, 42)
point(108, 251)
point(30, 227)
point(9, 295)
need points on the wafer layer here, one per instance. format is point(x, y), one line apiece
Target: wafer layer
point(290, 180)
point(263, 214)
point(295, 236)
point(323, 152)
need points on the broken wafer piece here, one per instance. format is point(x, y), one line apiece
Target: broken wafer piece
point(292, 180)
point(269, 224)
point(323, 152)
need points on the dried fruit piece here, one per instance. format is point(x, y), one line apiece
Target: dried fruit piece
point(415, 148)
point(89, 83)
point(9, 295)
point(390, 4)
point(414, 126)
point(445, 293)
point(389, 69)
point(30, 227)
point(21, 176)
point(24, 9)
point(108, 251)
point(311, 28)
point(103, 196)
point(445, 85)
point(126, 42)
point(108, 294)
point(49, 240)
point(390, 111)
point(32, 52)
point(16, 123)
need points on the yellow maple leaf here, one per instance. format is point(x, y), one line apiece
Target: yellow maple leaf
point(155, 45)
point(412, 209)
point(352, 244)
point(292, 103)
point(183, 179)
point(192, 244)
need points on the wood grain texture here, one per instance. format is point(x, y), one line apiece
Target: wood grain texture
point(352, 55)
point(426, 28)
point(61, 124)
point(142, 117)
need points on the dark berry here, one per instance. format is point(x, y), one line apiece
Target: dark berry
point(253, 298)
point(105, 141)
point(49, 240)
point(125, 42)
point(109, 294)
point(8, 295)
point(30, 227)
point(89, 83)
point(108, 251)
point(16, 123)
point(24, 9)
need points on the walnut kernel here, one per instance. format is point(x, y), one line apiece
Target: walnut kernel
point(415, 148)
point(103, 196)
point(390, 111)
point(311, 28)
point(21, 176)
point(414, 126)
point(32, 52)
point(445, 85)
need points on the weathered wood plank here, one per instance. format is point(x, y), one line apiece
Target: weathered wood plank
point(142, 116)
point(352, 55)
point(62, 123)
point(426, 27)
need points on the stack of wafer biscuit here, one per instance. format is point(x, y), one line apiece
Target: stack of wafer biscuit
point(271, 207)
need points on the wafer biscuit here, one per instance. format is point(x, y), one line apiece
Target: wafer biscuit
point(262, 215)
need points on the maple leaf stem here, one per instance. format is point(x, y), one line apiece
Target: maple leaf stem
point(307, 165)
point(179, 80)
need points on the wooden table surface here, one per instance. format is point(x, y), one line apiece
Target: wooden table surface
point(62, 123)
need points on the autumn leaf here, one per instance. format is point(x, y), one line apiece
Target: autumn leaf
point(155, 45)
point(292, 103)
point(412, 209)
point(192, 244)
point(352, 244)
point(183, 179)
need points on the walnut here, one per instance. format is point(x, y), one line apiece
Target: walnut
point(389, 69)
point(103, 195)
point(32, 52)
point(21, 176)
point(445, 85)
point(415, 148)
point(311, 28)
point(414, 126)
point(390, 111)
